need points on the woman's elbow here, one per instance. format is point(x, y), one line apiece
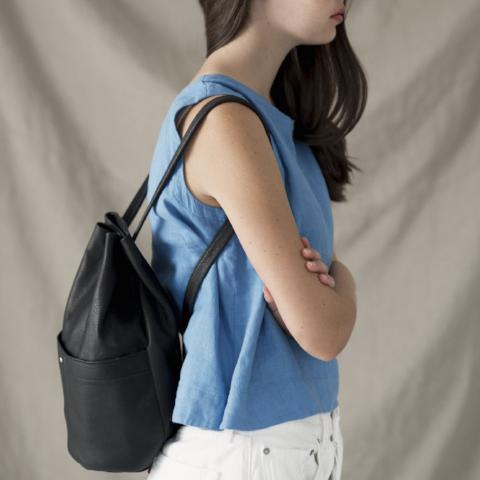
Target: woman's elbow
point(326, 342)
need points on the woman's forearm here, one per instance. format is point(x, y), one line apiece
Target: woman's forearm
point(345, 288)
point(344, 281)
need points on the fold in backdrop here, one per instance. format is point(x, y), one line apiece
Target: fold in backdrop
point(84, 88)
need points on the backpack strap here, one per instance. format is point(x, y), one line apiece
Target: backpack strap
point(225, 232)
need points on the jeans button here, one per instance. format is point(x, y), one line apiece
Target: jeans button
point(331, 437)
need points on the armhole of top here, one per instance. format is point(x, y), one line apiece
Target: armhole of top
point(186, 196)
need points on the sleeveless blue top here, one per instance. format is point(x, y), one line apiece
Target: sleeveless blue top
point(241, 370)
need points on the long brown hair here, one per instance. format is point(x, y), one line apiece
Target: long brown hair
point(322, 87)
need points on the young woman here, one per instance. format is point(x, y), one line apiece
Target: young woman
point(257, 396)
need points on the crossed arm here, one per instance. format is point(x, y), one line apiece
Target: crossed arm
point(246, 182)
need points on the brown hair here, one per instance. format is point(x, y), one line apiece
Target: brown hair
point(322, 87)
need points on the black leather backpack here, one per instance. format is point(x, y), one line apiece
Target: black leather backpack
point(121, 347)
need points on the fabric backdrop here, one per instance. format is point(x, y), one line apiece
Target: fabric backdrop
point(84, 88)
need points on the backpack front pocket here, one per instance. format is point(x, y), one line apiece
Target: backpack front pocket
point(111, 410)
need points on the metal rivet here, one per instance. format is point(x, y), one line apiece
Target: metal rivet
point(61, 359)
point(266, 450)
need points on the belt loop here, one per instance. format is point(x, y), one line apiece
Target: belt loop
point(323, 426)
point(336, 424)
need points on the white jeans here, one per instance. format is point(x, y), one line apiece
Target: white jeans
point(310, 448)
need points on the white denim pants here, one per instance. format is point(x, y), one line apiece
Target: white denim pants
point(310, 448)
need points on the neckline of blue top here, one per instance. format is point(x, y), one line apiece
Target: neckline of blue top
point(287, 121)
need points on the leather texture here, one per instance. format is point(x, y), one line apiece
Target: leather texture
point(119, 351)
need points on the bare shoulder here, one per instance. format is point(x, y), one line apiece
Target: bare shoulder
point(226, 125)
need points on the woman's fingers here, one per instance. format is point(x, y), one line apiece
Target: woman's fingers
point(315, 264)
point(323, 277)
point(308, 251)
point(305, 242)
point(311, 253)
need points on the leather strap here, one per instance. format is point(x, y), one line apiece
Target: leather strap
point(226, 230)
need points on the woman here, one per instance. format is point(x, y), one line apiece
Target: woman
point(257, 396)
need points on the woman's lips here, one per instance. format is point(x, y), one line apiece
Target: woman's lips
point(338, 17)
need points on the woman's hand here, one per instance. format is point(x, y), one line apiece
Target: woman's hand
point(316, 266)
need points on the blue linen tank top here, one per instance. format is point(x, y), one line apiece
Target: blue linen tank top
point(241, 370)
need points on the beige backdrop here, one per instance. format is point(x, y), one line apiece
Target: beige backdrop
point(84, 88)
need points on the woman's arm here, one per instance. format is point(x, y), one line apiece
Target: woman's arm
point(240, 171)
point(346, 289)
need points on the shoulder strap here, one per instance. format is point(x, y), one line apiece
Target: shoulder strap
point(224, 233)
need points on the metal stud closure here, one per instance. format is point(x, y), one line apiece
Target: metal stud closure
point(266, 450)
point(61, 359)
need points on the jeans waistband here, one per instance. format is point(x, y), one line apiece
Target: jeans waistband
point(299, 433)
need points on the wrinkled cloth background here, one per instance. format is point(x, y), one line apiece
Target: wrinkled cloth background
point(84, 88)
